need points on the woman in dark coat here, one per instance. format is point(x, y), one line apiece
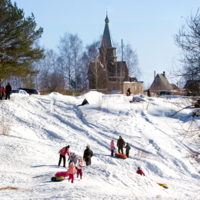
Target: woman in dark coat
point(88, 153)
point(8, 90)
point(120, 145)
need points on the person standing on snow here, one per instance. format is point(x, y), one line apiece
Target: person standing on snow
point(88, 153)
point(79, 168)
point(139, 171)
point(71, 171)
point(127, 149)
point(128, 92)
point(120, 144)
point(3, 92)
point(63, 152)
point(8, 90)
point(72, 158)
point(112, 147)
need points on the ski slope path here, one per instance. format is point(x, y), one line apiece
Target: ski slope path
point(42, 125)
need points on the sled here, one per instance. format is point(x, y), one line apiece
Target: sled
point(163, 185)
point(65, 174)
point(119, 155)
point(57, 178)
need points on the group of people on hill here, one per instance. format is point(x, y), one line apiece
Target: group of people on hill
point(120, 145)
point(75, 164)
point(5, 91)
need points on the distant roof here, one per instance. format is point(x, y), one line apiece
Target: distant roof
point(165, 82)
point(133, 79)
point(106, 41)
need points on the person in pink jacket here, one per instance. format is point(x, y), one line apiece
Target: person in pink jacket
point(112, 147)
point(63, 152)
point(71, 171)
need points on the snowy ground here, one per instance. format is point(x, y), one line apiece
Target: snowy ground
point(42, 125)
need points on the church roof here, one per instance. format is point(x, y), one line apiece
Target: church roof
point(106, 41)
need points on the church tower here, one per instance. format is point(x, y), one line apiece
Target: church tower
point(107, 52)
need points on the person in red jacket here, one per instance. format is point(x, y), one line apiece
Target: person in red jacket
point(139, 171)
point(3, 92)
point(63, 152)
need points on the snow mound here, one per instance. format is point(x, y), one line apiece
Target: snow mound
point(42, 125)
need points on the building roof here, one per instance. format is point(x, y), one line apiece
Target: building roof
point(106, 41)
point(165, 81)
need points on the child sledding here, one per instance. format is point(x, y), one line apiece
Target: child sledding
point(70, 172)
point(75, 164)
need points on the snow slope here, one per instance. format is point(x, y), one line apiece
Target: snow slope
point(42, 125)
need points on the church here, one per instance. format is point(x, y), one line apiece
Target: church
point(105, 72)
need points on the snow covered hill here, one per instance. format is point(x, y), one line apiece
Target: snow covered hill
point(42, 125)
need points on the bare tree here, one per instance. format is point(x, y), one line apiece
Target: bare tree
point(65, 49)
point(76, 52)
point(47, 70)
point(70, 48)
point(188, 40)
point(131, 58)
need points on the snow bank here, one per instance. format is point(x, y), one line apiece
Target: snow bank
point(42, 125)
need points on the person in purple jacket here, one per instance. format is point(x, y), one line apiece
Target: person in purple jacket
point(112, 147)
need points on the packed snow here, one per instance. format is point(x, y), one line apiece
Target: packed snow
point(42, 125)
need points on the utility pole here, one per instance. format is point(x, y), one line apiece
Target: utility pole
point(155, 84)
point(121, 67)
point(122, 48)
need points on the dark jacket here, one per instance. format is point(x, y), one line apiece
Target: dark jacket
point(8, 89)
point(84, 102)
point(88, 153)
point(127, 147)
point(120, 143)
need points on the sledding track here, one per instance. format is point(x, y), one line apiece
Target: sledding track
point(44, 124)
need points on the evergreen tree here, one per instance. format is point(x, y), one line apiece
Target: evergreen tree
point(17, 36)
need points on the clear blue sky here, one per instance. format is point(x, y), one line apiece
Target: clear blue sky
point(148, 25)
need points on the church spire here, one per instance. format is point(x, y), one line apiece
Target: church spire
point(106, 41)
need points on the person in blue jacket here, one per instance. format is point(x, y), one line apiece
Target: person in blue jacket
point(127, 147)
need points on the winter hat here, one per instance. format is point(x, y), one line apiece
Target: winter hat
point(138, 167)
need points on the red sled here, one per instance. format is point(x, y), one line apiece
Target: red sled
point(65, 174)
point(119, 155)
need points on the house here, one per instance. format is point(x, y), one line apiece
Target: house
point(135, 87)
point(160, 83)
point(105, 72)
